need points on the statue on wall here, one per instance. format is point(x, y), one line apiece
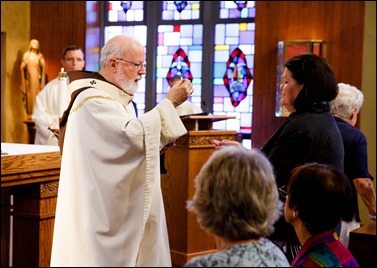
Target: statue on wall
point(32, 75)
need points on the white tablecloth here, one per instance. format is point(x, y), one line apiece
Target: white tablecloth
point(18, 148)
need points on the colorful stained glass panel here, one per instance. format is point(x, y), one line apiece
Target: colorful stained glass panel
point(129, 11)
point(180, 10)
point(187, 41)
point(231, 40)
point(237, 9)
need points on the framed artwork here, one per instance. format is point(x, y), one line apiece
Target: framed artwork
point(286, 50)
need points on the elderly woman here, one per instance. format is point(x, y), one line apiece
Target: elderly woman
point(236, 200)
point(345, 108)
point(316, 197)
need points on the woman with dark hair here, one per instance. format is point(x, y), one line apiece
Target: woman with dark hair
point(316, 198)
point(309, 135)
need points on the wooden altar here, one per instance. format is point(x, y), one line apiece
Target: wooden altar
point(29, 176)
point(183, 162)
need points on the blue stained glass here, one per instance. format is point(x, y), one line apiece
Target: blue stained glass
point(180, 5)
point(244, 13)
point(92, 38)
point(252, 13)
point(180, 10)
point(234, 14)
point(230, 10)
point(240, 4)
point(125, 11)
point(126, 5)
point(219, 70)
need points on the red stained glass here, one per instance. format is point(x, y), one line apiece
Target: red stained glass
point(180, 64)
point(240, 4)
point(237, 77)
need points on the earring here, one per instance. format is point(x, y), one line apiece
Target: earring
point(294, 214)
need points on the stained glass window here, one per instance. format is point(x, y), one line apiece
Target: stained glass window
point(181, 42)
point(171, 39)
point(92, 37)
point(237, 9)
point(180, 10)
point(118, 11)
point(231, 37)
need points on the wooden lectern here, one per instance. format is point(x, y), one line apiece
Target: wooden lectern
point(183, 162)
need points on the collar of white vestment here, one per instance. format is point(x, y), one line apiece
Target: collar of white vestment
point(81, 79)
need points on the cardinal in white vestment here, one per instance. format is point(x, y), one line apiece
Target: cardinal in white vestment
point(110, 210)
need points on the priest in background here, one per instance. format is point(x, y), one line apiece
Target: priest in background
point(54, 98)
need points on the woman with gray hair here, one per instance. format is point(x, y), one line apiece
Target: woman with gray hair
point(348, 102)
point(345, 107)
point(236, 200)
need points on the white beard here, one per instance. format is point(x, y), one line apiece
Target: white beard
point(125, 84)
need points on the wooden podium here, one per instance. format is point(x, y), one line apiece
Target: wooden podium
point(183, 162)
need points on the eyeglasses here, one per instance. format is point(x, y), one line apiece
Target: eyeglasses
point(137, 66)
point(283, 191)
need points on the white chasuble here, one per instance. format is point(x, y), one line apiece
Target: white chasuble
point(110, 210)
point(47, 111)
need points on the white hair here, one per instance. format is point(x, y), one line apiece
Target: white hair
point(118, 47)
point(349, 97)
